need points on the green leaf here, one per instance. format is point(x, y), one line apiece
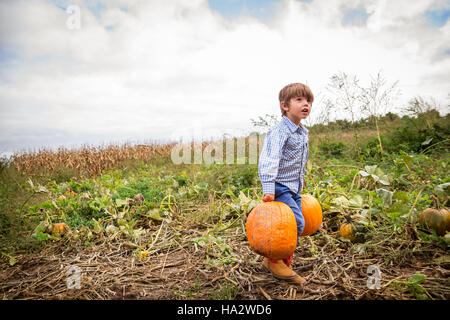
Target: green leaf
point(364, 173)
point(154, 214)
point(243, 198)
point(121, 202)
point(246, 204)
point(443, 189)
point(415, 288)
point(356, 201)
point(398, 209)
point(407, 159)
point(98, 228)
point(394, 214)
point(401, 196)
point(341, 201)
point(386, 195)
point(122, 222)
point(111, 229)
point(11, 259)
point(427, 142)
point(200, 241)
point(417, 279)
point(371, 169)
point(40, 236)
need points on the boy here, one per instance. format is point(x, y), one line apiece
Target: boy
point(282, 165)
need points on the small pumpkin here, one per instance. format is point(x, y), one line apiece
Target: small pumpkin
point(437, 219)
point(62, 197)
point(60, 228)
point(351, 230)
point(272, 230)
point(70, 193)
point(312, 213)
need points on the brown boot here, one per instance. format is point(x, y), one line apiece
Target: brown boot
point(281, 271)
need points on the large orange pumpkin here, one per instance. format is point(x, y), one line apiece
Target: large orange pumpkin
point(312, 213)
point(272, 230)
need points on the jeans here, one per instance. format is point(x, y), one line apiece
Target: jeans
point(294, 201)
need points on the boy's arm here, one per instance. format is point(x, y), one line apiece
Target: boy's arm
point(270, 160)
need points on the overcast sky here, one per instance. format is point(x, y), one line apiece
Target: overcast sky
point(158, 69)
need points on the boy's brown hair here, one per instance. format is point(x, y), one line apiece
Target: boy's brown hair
point(294, 90)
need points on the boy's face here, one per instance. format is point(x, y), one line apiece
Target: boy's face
point(298, 109)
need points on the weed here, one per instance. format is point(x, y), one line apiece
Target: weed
point(226, 291)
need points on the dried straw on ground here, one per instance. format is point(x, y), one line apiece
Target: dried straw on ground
point(177, 269)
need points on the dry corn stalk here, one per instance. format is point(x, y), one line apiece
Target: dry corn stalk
point(91, 160)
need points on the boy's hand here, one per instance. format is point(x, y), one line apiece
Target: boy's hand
point(268, 197)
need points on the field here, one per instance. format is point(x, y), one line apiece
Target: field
point(142, 227)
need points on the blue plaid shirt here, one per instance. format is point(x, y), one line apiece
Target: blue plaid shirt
point(283, 157)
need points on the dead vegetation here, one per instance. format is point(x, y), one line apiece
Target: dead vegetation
point(88, 160)
point(177, 267)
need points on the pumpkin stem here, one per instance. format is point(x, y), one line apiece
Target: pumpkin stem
point(436, 201)
point(348, 218)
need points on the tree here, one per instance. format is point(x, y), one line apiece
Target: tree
point(346, 93)
point(418, 106)
point(266, 121)
point(323, 114)
point(377, 98)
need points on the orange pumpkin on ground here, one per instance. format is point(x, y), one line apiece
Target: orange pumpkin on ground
point(272, 230)
point(60, 227)
point(436, 219)
point(312, 213)
point(348, 230)
point(352, 230)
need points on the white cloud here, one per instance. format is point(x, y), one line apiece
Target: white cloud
point(165, 65)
